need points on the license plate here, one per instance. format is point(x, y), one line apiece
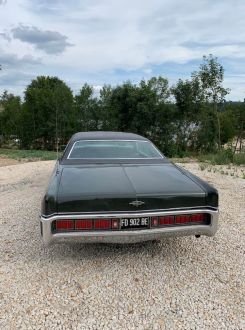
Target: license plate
point(127, 223)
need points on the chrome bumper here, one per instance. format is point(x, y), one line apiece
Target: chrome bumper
point(127, 236)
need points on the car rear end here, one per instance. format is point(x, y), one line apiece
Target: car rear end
point(129, 227)
point(118, 200)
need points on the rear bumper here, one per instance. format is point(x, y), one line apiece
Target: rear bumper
point(128, 236)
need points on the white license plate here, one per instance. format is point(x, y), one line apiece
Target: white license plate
point(127, 223)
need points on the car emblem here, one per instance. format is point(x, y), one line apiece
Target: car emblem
point(137, 203)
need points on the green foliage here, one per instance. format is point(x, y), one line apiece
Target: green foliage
point(10, 116)
point(223, 157)
point(210, 77)
point(28, 154)
point(188, 118)
point(239, 159)
point(48, 105)
point(86, 110)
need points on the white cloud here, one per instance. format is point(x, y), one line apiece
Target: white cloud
point(110, 36)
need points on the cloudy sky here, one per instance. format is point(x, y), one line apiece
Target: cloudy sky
point(111, 41)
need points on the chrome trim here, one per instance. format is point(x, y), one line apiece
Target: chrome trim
point(131, 212)
point(128, 236)
point(68, 157)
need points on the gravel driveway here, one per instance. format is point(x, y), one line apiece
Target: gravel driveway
point(181, 283)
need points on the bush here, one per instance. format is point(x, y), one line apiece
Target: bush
point(223, 157)
point(239, 159)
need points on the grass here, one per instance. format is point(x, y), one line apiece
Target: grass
point(223, 157)
point(239, 159)
point(28, 154)
point(202, 167)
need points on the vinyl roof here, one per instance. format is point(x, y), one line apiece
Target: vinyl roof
point(103, 135)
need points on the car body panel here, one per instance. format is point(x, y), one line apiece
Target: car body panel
point(139, 187)
point(113, 188)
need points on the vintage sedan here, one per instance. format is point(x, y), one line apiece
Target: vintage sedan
point(119, 188)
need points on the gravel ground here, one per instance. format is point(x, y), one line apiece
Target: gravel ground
point(181, 283)
point(8, 161)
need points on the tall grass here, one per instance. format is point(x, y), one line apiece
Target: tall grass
point(28, 154)
point(223, 157)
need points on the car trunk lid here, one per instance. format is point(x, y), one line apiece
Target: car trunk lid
point(114, 187)
point(164, 186)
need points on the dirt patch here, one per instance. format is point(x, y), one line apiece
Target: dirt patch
point(9, 161)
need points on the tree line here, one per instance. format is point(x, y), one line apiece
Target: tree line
point(191, 116)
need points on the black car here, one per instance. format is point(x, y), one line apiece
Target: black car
point(119, 188)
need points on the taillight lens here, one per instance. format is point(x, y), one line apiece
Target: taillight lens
point(114, 224)
point(64, 224)
point(188, 219)
point(83, 224)
point(182, 218)
point(166, 220)
point(197, 217)
point(102, 224)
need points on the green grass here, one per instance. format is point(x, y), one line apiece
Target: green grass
point(223, 157)
point(28, 154)
point(239, 159)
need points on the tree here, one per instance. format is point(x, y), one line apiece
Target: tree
point(108, 119)
point(48, 112)
point(189, 103)
point(134, 108)
point(234, 120)
point(10, 116)
point(211, 76)
point(86, 109)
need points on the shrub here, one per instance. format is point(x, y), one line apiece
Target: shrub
point(223, 157)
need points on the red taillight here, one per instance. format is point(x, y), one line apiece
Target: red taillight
point(108, 224)
point(182, 218)
point(102, 224)
point(83, 224)
point(166, 220)
point(197, 217)
point(188, 219)
point(64, 224)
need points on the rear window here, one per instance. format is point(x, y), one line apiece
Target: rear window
point(113, 149)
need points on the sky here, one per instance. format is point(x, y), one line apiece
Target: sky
point(112, 41)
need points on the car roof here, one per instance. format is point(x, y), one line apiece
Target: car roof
point(104, 135)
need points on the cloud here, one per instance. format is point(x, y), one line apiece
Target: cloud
point(5, 36)
point(51, 42)
point(11, 61)
point(3, 2)
point(119, 40)
point(54, 7)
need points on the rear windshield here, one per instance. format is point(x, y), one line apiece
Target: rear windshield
point(112, 149)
